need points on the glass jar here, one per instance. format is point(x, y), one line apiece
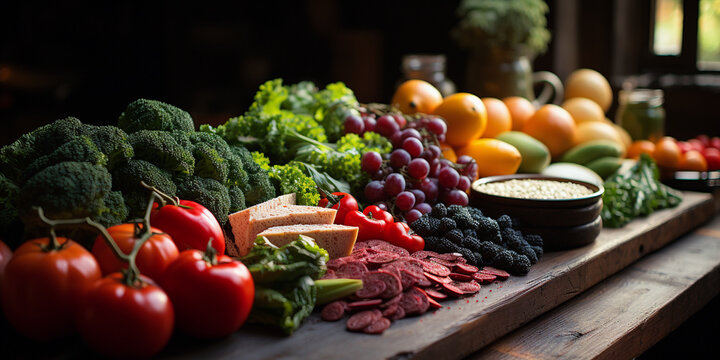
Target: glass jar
point(430, 68)
point(641, 113)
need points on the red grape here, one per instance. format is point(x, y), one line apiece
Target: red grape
point(400, 120)
point(463, 183)
point(369, 123)
point(405, 201)
point(353, 124)
point(399, 158)
point(412, 215)
point(430, 189)
point(374, 191)
point(386, 126)
point(418, 168)
point(464, 159)
point(419, 195)
point(448, 177)
point(394, 184)
point(371, 162)
point(436, 126)
point(457, 197)
point(423, 207)
point(410, 133)
point(413, 146)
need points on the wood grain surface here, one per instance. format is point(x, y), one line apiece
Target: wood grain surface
point(465, 325)
point(626, 314)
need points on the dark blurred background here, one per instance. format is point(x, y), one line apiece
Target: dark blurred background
point(90, 59)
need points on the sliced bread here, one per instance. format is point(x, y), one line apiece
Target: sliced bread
point(338, 240)
point(240, 219)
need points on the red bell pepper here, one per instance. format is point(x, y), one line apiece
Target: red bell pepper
point(369, 228)
point(343, 202)
point(398, 234)
point(378, 213)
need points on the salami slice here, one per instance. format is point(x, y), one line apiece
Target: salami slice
point(435, 294)
point(371, 289)
point(484, 278)
point(361, 320)
point(382, 257)
point(424, 254)
point(378, 327)
point(449, 256)
point(392, 248)
point(392, 282)
point(451, 289)
point(360, 245)
point(460, 277)
point(438, 279)
point(423, 281)
point(407, 279)
point(394, 300)
point(399, 314)
point(364, 304)
point(377, 243)
point(351, 270)
point(469, 287)
point(501, 274)
point(424, 303)
point(466, 269)
point(390, 310)
point(330, 274)
point(435, 268)
point(447, 263)
point(411, 303)
point(433, 303)
point(335, 264)
point(333, 311)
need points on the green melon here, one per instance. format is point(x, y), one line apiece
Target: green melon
point(535, 155)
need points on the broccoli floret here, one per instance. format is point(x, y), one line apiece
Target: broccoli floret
point(209, 164)
point(504, 221)
point(161, 149)
point(115, 211)
point(127, 178)
point(455, 236)
point(237, 199)
point(112, 141)
point(207, 192)
point(258, 188)
point(249, 164)
point(64, 191)
point(143, 114)
point(447, 224)
point(489, 230)
point(9, 222)
point(80, 149)
point(439, 211)
point(41, 141)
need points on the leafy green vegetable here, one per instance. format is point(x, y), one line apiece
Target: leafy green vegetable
point(636, 192)
point(290, 178)
point(285, 292)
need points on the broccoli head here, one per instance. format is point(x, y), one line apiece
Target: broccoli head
point(258, 189)
point(209, 164)
point(127, 178)
point(143, 114)
point(249, 164)
point(80, 149)
point(237, 199)
point(41, 141)
point(65, 190)
point(207, 192)
point(112, 141)
point(115, 211)
point(9, 222)
point(161, 149)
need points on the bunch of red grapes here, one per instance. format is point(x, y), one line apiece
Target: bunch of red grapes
point(414, 176)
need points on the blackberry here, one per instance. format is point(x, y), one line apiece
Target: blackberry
point(468, 255)
point(489, 250)
point(538, 251)
point(455, 209)
point(529, 253)
point(445, 246)
point(455, 236)
point(504, 221)
point(447, 224)
point(422, 226)
point(464, 220)
point(475, 212)
point(431, 242)
point(488, 230)
point(472, 243)
point(534, 239)
point(520, 266)
point(503, 260)
point(469, 233)
point(479, 259)
point(439, 211)
point(512, 238)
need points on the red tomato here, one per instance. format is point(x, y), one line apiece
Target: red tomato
point(344, 204)
point(212, 297)
point(712, 156)
point(704, 139)
point(190, 225)
point(696, 144)
point(398, 234)
point(5, 255)
point(42, 288)
point(715, 142)
point(684, 146)
point(126, 321)
point(152, 259)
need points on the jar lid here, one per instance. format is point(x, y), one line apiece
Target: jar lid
point(417, 62)
point(653, 97)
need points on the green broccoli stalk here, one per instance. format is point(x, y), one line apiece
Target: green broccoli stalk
point(143, 114)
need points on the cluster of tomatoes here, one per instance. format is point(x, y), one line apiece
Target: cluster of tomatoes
point(701, 153)
point(51, 287)
point(372, 222)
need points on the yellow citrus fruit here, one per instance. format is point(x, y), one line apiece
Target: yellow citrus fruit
point(465, 116)
point(640, 147)
point(583, 110)
point(448, 152)
point(493, 157)
point(499, 119)
point(589, 84)
point(416, 96)
point(554, 127)
point(595, 130)
point(521, 109)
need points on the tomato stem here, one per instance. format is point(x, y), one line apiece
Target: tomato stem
point(210, 255)
point(53, 244)
point(163, 198)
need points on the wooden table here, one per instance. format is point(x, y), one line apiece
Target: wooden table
point(555, 306)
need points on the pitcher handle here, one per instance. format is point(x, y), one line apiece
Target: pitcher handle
point(552, 91)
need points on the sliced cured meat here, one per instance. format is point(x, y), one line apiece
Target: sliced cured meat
point(451, 289)
point(371, 289)
point(466, 269)
point(501, 274)
point(449, 256)
point(484, 278)
point(334, 264)
point(376, 243)
point(330, 274)
point(460, 277)
point(424, 302)
point(436, 294)
point(392, 248)
point(361, 320)
point(424, 254)
point(333, 311)
point(394, 300)
point(435, 268)
point(382, 257)
point(423, 281)
point(411, 302)
point(399, 314)
point(360, 245)
point(392, 282)
point(438, 279)
point(351, 270)
point(364, 304)
point(469, 287)
point(378, 327)
point(440, 261)
point(433, 303)
point(390, 310)
point(407, 279)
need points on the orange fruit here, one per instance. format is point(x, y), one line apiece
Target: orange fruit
point(499, 119)
point(448, 152)
point(521, 109)
point(493, 157)
point(640, 147)
point(554, 127)
point(693, 160)
point(416, 96)
point(465, 116)
point(583, 110)
point(594, 130)
point(624, 135)
point(589, 84)
point(667, 154)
